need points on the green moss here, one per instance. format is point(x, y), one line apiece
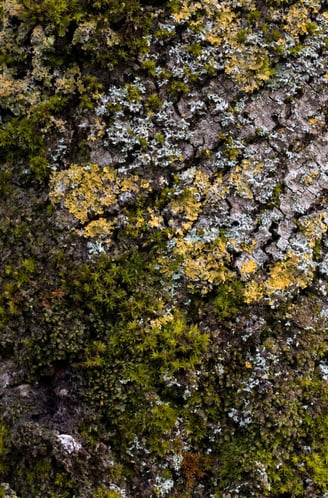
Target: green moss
point(18, 138)
point(88, 89)
point(150, 67)
point(5, 182)
point(317, 251)
point(133, 94)
point(56, 14)
point(275, 197)
point(311, 27)
point(232, 153)
point(153, 103)
point(205, 153)
point(39, 167)
point(210, 68)
point(195, 49)
point(177, 88)
point(228, 299)
point(102, 492)
point(317, 465)
point(296, 49)
point(163, 34)
point(160, 138)
point(3, 447)
point(143, 142)
point(274, 35)
point(241, 36)
point(253, 17)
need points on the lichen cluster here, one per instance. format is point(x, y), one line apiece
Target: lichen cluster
point(163, 301)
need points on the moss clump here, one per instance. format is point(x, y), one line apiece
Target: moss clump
point(3, 448)
point(106, 493)
point(178, 88)
point(228, 299)
point(153, 103)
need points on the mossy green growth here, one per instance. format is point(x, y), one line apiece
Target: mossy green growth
point(23, 138)
point(133, 93)
point(103, 492)
point(5, 187)
point(57, 14)
point(195, 49)
point(178, 88)
point(275, 196)
point(228, 299)
point(149, 66)
point(153, 103)
point(39, 167)
point(3, 447)
point(41, 477)
point(138, 346)
point(18, 138)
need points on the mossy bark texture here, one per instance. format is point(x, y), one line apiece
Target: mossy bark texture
point(164, 253)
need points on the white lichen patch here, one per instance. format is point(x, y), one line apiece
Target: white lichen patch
point(69, 443)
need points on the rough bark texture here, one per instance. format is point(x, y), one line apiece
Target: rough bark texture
point(164, 255)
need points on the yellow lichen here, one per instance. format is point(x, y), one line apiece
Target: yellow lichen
point(298, 16)
point(253, 292)
point(242, 177)
point(249, 68)
point(313, 227)
point(186, 10)
point(250, 266)
point(203, 264)
point(99, 229)
point(289, 273)
point(155, 220)
point(90, 190)
point(249, 63)
point(292, 272)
